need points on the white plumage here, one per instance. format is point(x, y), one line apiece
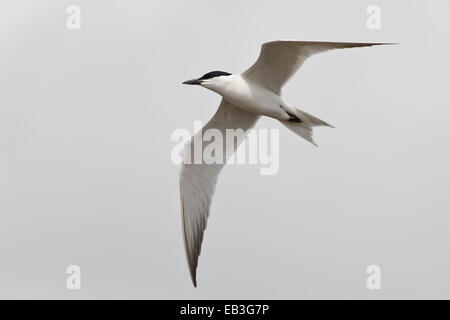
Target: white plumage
point(245, 97)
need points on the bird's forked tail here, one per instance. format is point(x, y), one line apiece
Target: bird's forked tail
point(304, 125)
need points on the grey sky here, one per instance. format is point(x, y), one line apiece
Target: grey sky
point(86, 177)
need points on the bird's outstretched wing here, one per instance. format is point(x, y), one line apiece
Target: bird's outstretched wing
point(198, 180)
point(279, 60)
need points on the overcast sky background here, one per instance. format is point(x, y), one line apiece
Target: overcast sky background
point(86, 176)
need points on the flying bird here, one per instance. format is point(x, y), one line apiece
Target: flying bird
point(246, 96)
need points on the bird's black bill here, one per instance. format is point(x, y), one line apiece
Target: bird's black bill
point(193, 81)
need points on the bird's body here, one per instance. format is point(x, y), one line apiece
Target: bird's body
point(250, 96)
point(246, 97)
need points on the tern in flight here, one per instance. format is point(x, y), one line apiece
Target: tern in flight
point(245, 97)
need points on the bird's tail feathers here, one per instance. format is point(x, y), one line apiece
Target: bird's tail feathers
point(304, 127)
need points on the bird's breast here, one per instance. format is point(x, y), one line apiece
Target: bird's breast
point(252, 98)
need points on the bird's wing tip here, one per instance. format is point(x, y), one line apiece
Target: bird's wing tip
point(194, 278)
point(383, 43)
point(193, 273)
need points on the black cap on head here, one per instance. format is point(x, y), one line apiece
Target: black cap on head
point(209, 75)
point(214, 74)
